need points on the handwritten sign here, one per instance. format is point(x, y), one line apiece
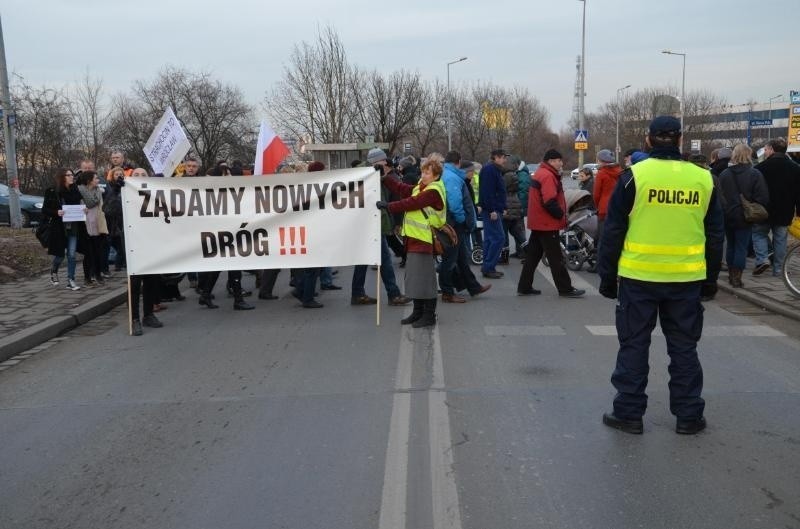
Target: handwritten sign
point(167, 145)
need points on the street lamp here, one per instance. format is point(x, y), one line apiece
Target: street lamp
point(683, 91)
point(769, 129)
point(449, 134)
point(583, 79)
point(619, 91)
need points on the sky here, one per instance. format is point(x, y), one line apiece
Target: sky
point(737, 50)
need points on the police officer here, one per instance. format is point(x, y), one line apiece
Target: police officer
point(663, 238)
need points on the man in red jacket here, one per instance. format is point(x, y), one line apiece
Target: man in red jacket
point(547, 213)
point(604, 182)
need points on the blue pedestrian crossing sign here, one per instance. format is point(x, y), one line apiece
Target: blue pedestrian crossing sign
point(581, 140)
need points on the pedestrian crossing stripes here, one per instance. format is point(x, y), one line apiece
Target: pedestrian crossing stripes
point(753, 331)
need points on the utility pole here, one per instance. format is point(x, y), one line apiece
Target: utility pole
point(619, 90)
point(8, 133)
point(583, 79)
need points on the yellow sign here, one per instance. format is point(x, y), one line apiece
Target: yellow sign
point(581, 145)
point(495, 118)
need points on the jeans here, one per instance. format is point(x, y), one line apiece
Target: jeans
point(761, 245)
point(387, 275)
point(326, 276)
point(72, 247)
point(492, 243)
point(737, 241)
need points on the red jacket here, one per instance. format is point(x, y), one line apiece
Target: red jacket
point(423, 199)
point(604, 182)
point(547, 207)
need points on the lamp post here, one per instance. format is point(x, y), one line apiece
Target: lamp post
point(583, 79)
point(619, 91)
point(683, 91)
point(769, 129)
point(449, 134)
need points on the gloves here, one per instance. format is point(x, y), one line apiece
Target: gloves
point(381, 204)
point(608, 288)
point(708, 290)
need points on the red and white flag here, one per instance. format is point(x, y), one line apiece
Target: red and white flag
point(270, 151)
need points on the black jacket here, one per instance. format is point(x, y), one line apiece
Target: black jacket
point(616, 224)
point(783, 181)
point(744, 179)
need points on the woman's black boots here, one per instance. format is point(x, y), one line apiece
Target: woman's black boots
point(415, 314)
point(428, 318)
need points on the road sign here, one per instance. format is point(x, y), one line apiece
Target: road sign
point(581, 145)
point(581, 136)
point(795, 97)
point(407, 147)
point(696, 145)
point(760, 122)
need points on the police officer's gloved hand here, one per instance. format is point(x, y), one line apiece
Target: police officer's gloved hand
point(708, 290)
point(381, 204)
point(608, 287)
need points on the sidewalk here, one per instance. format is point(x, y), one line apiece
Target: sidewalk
point(33, 311)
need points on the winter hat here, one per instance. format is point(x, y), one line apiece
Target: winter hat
point(638, 156)
point(724, 152)
point(316, 166)
point(375, 155)
point(665, 126)
point(466, 165)
point(605, 156)
point(552, 154)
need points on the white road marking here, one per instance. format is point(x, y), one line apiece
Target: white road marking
point(395, 473)
point(446, 510)
point(755, 331)
point(524, 330)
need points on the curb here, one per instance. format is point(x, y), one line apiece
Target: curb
point(57, 325)
point(760, 301)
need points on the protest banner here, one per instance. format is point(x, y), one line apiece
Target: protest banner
point(296, 220)
point(167, 145)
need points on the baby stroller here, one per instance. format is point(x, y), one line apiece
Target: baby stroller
point(578, 240)
point(476, 243)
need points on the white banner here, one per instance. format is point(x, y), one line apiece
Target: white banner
point(296, 220)
point(167, 145)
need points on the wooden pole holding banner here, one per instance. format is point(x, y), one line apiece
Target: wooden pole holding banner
point(130, 308)
point(378, 296)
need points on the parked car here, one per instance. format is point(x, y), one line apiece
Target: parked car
point(532, 167)
point(30, 205)
point(592, 166)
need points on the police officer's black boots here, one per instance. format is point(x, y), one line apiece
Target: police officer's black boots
point(238, 299)
point(428, 318)
point(415, 314)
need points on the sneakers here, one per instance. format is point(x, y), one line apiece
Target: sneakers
point(72, 285)
point(363, 300)
point(760, 269)
point(54, 278)
point(330, 287)
point(572, 293)
point(151, 321)
point(625, 425)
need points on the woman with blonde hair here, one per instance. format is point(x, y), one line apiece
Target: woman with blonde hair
point(424, 207)
point(739, 179)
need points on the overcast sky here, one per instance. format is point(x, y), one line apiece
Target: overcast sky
point(739, 49)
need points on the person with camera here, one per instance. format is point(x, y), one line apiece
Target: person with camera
point(663, 239)
point(358, 296)
point(424, 206)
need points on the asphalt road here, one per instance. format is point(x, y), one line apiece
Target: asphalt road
point(283, 417)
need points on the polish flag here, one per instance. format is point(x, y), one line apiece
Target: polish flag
point(270, 151)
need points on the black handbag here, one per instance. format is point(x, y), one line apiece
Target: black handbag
point(754, 213)
point(43, 233)
point(444, 238)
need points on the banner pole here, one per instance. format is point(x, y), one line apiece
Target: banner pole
point(378, 296)
point(130, 308)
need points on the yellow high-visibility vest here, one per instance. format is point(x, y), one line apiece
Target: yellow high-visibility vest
point(476, 184)
point(666, 240)
point(414, 222)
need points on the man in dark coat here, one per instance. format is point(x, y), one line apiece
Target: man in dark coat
point(783, 181)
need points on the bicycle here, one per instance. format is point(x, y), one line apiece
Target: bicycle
point(791, 269)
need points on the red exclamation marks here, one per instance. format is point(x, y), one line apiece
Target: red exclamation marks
point(282, 234)
point(303, 240)
point(292, 249)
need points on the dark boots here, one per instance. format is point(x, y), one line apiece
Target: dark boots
point(504, 253)
point(428, 318)
point(415, 314)
point(238, 296)
point(735, 277)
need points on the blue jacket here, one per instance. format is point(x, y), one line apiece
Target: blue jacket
point(453, 179)
point(492, 190)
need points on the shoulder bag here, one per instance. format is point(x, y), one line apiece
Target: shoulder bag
point(754, 213)
point(444, 238)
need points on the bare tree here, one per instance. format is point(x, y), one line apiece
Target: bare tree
point(530, 129)
point(428, 130)
point(317, 96)
point(89, 116)
point(470, 130)
point(387, 105)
